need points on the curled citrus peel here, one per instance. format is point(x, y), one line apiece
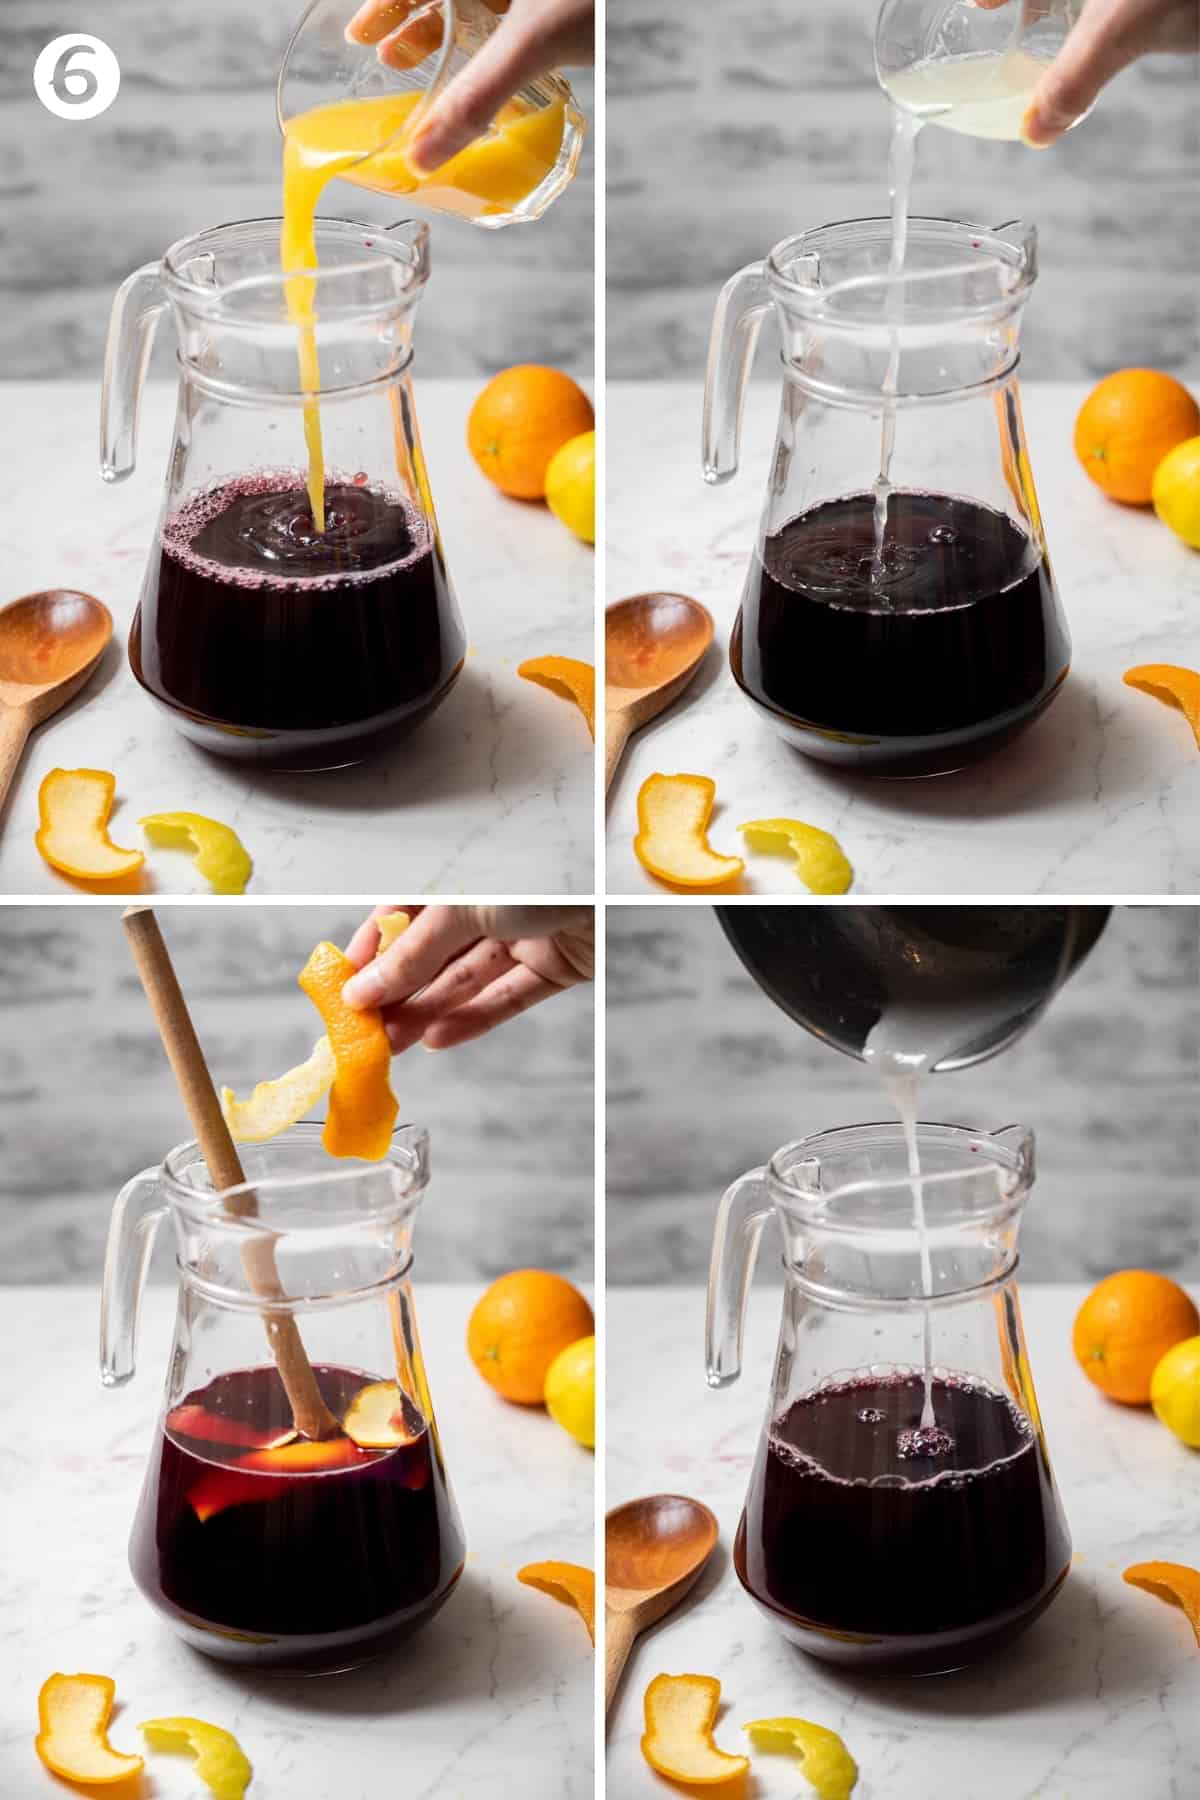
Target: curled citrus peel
point(72, 1740)
point(72, 835)
point(563, 675)
point(221, 1763)
point(1167, 681)
point(266, 1474)
point(678, 1742)
point(375, 1417)
point(275, 1106)
point(1173, 1582)
point(825, 1760)
point(820, 860)
point(362, 1106)
point(220, 854)
point(566, 1581)
point(672, 841)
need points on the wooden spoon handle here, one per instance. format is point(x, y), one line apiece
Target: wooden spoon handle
point(15, 726)
point(313, 1418)
point(619, 1633)
point(616, 736)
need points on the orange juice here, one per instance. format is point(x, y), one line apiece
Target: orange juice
point(364, 141)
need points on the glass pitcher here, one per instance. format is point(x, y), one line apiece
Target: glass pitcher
point(268, 1533)
point(902, 1515)
point(265, 639)
point(899, 615)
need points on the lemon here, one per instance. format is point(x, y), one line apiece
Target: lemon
point(571, 485)
point(1175, 1391)
point(1176, 491)
point(571, 1390)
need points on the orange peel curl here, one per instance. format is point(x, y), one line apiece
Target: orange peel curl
point(362, 1106)
point(564, 675)
point(569, 1582)
point(1168, 681)
point(72, 1740)
point(672, 840)
point(1175, 1583)
point(678, 1742)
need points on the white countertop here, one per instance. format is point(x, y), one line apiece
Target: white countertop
point(1101, 795)
point(493, 1696)
point(492, 795)
point(1097, 1699)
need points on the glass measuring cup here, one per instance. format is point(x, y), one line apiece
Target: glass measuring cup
point(259, 1545)
point(868, 1541)
point(264, 639)
point(509, 176)
point(966, 67)
point(929, 649)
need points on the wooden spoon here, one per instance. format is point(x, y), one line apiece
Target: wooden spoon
point(653, 645)
point(50, 644)
point(654, 1550)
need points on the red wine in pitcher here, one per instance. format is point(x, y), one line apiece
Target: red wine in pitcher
point(879, 1544)
point(283, 1553)
point(272, 642)
point(918, 663)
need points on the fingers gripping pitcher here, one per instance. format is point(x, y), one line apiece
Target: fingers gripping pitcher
point(875, 1533)
point(899, 615)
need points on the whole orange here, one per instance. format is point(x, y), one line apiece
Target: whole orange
point(518, 1328)
point(1126, 426)
point(518, 422)
point(1125, 1325)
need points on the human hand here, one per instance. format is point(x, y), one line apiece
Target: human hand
point(1106, 38)
point(459, 971)
point(534, 36)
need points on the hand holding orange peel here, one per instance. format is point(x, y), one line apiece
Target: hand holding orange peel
point(820, 860)
point(221, 1763)
point(678, 1742)
point(72, 835)
point(825, 1760)
point(1173, 1582)
point(1181, 687)
point(563, 675)
point(672, 840)
point(362, 1106)
point(73, 1715)
point(566, 1581)
point(220, 854)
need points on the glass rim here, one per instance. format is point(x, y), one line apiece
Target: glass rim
point(1011, 245)
point(1012, 1158)
point(381, 245)
point(407, 1157)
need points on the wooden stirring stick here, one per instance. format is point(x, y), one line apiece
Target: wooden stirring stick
point(312, 1417)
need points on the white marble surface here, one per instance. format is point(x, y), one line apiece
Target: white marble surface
point(1100, 795)
point(494, 1696)
point(1096, 1700)
point(492, 795)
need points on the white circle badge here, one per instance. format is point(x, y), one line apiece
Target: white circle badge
point(76, 76)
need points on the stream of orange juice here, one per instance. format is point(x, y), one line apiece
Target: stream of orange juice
point(363, 141)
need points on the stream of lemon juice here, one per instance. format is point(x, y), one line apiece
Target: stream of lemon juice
point(364, 141)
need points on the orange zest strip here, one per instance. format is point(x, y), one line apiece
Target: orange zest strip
point(563, 675)
point(1167, 681)
point(672, 840)
point(1173, 1582)
point(680, 1713)
point(72, 834)
point(362, 1106)
point(565, 1581)
point(72, 1740)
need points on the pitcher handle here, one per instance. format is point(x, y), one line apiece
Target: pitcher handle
point(743, 1210)
point(138, 1209)
point(131, 324)
point(739, 314)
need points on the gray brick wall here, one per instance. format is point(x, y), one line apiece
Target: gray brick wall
point(86, 1099)
point(706, 1078)
point(190, 142)
point(731, 126)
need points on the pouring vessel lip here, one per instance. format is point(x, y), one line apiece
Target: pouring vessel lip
point(381, 244)
point(402, 1176)
point(442, 55)
point(1012, 244)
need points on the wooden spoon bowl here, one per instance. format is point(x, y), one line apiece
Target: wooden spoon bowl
point(50, 644)
point(654, 1552)
point(653, 645)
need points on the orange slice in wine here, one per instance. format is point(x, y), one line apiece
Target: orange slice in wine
point(375, 1418)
